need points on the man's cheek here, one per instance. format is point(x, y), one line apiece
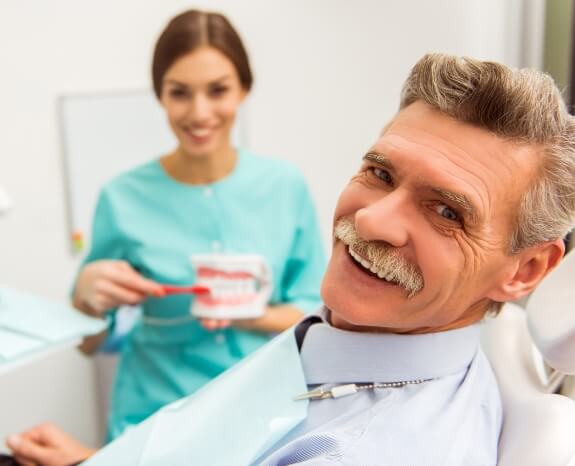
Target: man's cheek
point(444, 262)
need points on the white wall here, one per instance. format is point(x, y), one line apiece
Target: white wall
point(328, 74)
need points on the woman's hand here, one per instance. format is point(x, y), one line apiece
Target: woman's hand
point(106, 284)
point(47, 445)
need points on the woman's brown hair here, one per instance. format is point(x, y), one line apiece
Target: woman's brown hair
point(192, 29)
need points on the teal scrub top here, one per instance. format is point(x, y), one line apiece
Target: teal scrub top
point(155, 223)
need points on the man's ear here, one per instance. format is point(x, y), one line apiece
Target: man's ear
point(533, 264)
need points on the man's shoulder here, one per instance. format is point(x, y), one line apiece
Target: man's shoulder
point(451, 420)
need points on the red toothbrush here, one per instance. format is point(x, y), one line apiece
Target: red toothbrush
point(193, 289)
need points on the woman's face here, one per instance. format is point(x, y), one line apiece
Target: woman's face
point(201, 93)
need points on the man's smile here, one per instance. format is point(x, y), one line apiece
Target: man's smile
point(378, 259)
point(387, 277)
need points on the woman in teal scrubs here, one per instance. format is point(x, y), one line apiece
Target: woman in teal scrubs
point(206, 196)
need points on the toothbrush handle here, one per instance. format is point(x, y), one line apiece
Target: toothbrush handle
point(194, 289)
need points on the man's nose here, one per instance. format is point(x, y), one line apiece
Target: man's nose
point(385, 219)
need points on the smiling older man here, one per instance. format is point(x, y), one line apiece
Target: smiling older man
point(459, 206)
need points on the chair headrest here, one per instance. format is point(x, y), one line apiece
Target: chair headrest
point(551, 316)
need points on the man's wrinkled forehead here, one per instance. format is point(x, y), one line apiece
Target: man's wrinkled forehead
point(399, 134)
point(404, 144)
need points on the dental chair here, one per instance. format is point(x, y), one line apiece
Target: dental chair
point(522, 345)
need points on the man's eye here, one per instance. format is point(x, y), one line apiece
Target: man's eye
point(383, 175)
point(448, 213)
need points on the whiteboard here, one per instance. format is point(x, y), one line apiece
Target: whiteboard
point(103, 135)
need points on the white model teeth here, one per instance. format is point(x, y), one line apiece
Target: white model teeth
point(369, 266)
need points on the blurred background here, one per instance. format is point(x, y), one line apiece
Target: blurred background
point(327, 78)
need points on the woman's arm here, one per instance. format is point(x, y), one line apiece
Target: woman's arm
point(276, 319)
point(47, 445)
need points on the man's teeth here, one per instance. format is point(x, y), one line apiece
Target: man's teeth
point(369, 266)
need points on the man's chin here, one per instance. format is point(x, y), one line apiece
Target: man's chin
point(344, 312)
point(355, 323)
point(339, 322)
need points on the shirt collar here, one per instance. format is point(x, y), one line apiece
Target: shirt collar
point(332, 355)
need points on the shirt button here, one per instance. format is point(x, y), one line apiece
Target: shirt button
point(220, 338)
point(216, 246)
point(208, 192)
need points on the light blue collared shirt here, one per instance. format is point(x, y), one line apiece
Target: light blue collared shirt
point(454, 419)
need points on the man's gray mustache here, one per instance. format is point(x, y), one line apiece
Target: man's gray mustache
point(381, 255)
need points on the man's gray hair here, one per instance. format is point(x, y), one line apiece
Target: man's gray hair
point(523, 106)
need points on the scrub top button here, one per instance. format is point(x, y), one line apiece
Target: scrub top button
point(216, 246)
point(220, 338)
point(208, 192)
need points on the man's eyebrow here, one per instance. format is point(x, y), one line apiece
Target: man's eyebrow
point(460, 200)
point(380, 159)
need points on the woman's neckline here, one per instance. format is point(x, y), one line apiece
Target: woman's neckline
point(221, 180)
